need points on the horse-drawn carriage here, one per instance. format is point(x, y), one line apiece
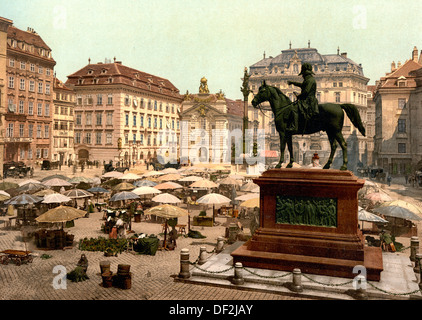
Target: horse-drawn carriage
point(109, 167)
point(15, 169)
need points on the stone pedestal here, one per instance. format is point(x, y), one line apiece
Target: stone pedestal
point(309, 221)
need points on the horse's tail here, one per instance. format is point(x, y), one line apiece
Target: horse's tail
point(354, 116)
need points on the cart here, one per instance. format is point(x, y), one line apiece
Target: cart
point(16, 256)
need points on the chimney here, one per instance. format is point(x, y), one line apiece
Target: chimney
point(398, 64)
point(420, 58)
point(344, 54)
point(415, 54)
point(393, 66)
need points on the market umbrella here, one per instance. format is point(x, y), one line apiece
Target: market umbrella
point(124, 186)
point(169, 177)
point(124, 195)
point(152, 173)
point(204, 183)
point(249, 186)
point(398, 212)
point(4, 193)
point(23, 199)
point(28, 181)
point(4, 197)
point(251, 203)
point(77, 193)
point(145, 190)
point(404, 204)
point(61, 214)
point(167, 211)
point(112, 174)
point(130, 176)
point(77, 180)
point(5, 185)
point(43, 193)
point(97, 191)
point(55, 176)
point(378, 196)
point(166, 198)
point(30, 188)
point(364, 215)
point(168, 185)
point(56, 198)
point(145, 183)
point(230, 181)
point(256, 190)
point(213, 198)
point(190, 179)
point(56, 182)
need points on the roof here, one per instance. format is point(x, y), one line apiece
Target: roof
point(59, 85)
point(28, 37)
point(121, 74)
point(402, 72)
point(310, 55)
point(234, 107)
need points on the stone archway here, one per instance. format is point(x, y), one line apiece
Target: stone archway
point(83, 154)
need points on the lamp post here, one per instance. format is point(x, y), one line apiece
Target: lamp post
point(245, 90)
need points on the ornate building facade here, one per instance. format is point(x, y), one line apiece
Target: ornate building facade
point(212, 125)
point(121, 113)
point(339, 80)
point(30, 68)
point(397, 98)
point(62, 143)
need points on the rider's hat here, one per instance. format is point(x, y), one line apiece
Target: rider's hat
point(306, 69)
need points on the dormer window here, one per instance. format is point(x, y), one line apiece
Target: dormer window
point(401, 82)
point(110, 80)
point(104, 71)
point(80, 81)
point(90, 71)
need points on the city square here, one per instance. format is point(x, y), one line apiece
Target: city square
point(253, 159)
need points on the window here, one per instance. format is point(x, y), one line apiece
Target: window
point(79, 100)
point(11, 62)
point(30, 108)
point(22, 84)
point(78, 119)
point(40, 69)
point(155, 122)
point(98, 136)
point(401, 126)
point(141, 138)
point(149, 122)
point(47, 88)
point(110, 99)
point(48, 71)
point(11, 82)
point(88, 138)
point(337, 96)
point(22, 154)
point(21, 106)
point(142, 120)
point(109, 138)
point(30, 154)
point(40, 85)
point(39, 109)
point(340, 84)
point(295, 68)
point(38, 131)
point(126, 138)
point(45, 153)
point(31, 85)
point(127, 100)
point(77, 137)
point(109, 118)
point(155, 105)
point(161, 123)
point(47, 109)
point(32, 67)
point(46, 131)
point(99, 99)
point(99, 118)
point(88, 119)
point(9, 130)
point(401, 103)
point(134, 138)
point(30, 130)
point(126, 119)
point(38, 153)
point(402, 148)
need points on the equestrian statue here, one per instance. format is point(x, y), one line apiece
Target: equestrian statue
point(306, 116)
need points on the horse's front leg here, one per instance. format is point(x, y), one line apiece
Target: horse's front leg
point(282, 148)
point(290, 147)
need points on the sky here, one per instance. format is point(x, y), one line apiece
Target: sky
point(185, 40)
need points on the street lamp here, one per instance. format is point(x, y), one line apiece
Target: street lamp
point(245, 90)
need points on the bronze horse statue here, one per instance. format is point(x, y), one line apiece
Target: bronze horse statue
point(330, 119)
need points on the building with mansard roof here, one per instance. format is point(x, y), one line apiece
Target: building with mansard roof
point(339, 80)
point(29, 97)
point(121, 113)
point(398, 122)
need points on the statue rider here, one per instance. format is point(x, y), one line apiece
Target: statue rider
point(307, 102)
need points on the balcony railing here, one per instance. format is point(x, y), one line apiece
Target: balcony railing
point(18, 139)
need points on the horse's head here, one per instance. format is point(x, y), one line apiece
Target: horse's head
point(264, 94)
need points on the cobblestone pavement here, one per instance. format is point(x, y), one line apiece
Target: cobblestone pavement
point(152, 276)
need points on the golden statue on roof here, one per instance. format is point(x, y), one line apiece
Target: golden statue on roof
point(203, 88)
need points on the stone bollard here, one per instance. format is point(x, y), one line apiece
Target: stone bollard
point(238, 275)
point(417, 268)
point(202, 255)
point(297, 281)
point(184, 264)
point(220, 245)
point(418, 258)
point(414, 248)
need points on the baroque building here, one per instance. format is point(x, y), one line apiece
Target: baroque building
point(211, 126)
point(398, 103)
point(339, 80)
point(122, 114)
point(29, 97)
point(62, 144)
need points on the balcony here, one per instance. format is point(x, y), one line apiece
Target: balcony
point(17, 140)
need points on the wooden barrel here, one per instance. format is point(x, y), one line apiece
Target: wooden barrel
point(123, 269)
point(105, 266)
point(126, 281)
point(107, 279)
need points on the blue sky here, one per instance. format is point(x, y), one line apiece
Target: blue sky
point(184, 40)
